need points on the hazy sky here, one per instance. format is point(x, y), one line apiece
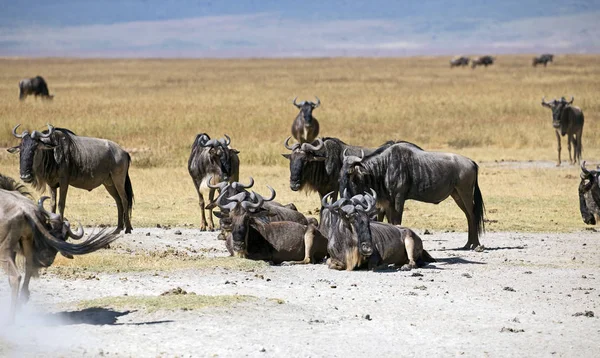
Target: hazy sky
point(265, 28)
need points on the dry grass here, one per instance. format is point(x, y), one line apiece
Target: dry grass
point(164, 303)
point(155, 107)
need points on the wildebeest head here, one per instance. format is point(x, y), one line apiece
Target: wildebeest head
point(557, 107)
point(306, 108)
point(301, 156)
point(237, 213)
point(352, 172)
point(220, 153)
point(30, 143)
point(589, 194)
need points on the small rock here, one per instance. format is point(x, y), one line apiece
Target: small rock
point(262, 350)
point(177, 232)
point(467, 275)
point(158, 226)
point(416, 274)
point(427, 232)
point(420, 288)
point(147, 234)
point(333, 286)
point(509, 289)
point(586, 314)
point(367, 317)
point(513, 330)
point(528, 272)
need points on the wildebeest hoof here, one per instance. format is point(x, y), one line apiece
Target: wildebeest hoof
point(405, 267)
point(366, 249)
point(479, 248)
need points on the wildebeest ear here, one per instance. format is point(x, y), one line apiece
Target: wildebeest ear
point(287, 156)
point(69, 256)
point(235, 151)
point(218, 214)
point(13, 150)
point(211, 205)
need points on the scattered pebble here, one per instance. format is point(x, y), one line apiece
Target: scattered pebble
point(586, 314)
point(467, 275)
point(367, 317)
point(513, 330)
point(177, 232)
point(427, 232)
point(509, 289)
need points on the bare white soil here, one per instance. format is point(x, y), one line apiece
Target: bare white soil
point(521, 297)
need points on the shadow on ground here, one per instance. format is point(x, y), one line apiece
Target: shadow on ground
point(96, 316)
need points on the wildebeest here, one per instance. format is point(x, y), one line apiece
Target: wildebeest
point(459, 62)
point(34, 86)
point(482, 61)
point(567, 119)
point(347, 226)
point(253, 236)
point(542, 59)
point(404, 171)
point(305, 127)
point(589, 195)
point(59, 158)
point(30, 231)
point(211, 158)
point(316, 167)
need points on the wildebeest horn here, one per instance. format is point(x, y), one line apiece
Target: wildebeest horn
point(307, 146)
point(36, 134)
point(324, 202)
point(51, 216)
point(571, 101)
point(219, 185)
point(269, 199)
point(237, 184)
point(296, 104)
point(14, 132)
point(352, 158)
point(287, 144)
point(74, 235)
point(584, 170)
point(226, 141)
point(229, 206)
point(318, 102)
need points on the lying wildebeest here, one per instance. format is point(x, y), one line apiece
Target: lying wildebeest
point(30, 231)
point(459, 62)
point(213, 159)
point(404, 171)
point(305, 127)
point(542, 59)
point(347, 226)
point(567, 119)
point(316, 167)
point(482, 61)
point(34, 86)
point(59, 158)
point(253, 236)
point(589, 195)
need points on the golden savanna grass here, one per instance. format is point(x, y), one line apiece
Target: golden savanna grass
point(154, 108)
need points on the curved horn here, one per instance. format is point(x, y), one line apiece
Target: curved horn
point(287, 144)
point(14, 132)
point(249, 184)
point(219, 185)
point(250, 205)
point(324, 202)
point(318, 102)
point(225, 206)
point(319, 146)
point(74, 235)
point(296, 104)
point(225, 141)
point(211, 143)
point(50, 131)
point(52, 216)
point(571, 101)
point(272, 194)
point(584, 170)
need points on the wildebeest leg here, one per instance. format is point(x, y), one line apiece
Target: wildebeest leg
point(211, 197)
point(53, 198)
point(14, 279)
point(335, 264)
point(465, 203)
point(394, 212)
point(119, 183)
point(411, 247)
point(570, 138)
point(578, 145)
point(202, 206)
point(115, 194)
point(559, 148)
point(62, 198)
point(29, 269)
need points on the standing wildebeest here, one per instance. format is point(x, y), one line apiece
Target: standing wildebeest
point(404, 171)
point(483, 60)
point(567, 119)
point(589, 195)
point(253, 236)
point(34, 86)
point(348, 226)
point(542, 59)
point(316, 167)
point(30, 231)
point(305, 127)
point(59, 158)
point(214, 159)
point(459, 62)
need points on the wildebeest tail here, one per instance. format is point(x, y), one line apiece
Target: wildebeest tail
point(425, 257)
point(479, 207)
point(129, 189)
point(95, 242)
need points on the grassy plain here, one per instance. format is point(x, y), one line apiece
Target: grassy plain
point(154, 108)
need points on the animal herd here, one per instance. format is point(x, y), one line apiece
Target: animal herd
point(463, 61)
point(358, 188)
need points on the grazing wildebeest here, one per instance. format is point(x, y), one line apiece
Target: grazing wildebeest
point(316, 167)
point(459, 62)
point(567, 119)
point(34, 86)
point(305, 127)
point(214, 159)
point(404, 171)
point(589, 195)
point(30, 231)
point(542, 59)
point(253, 236)
point(482, 61)
point(59, 158)
point(347, 226)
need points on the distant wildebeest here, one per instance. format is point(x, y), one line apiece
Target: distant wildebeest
point(459, 62)
point(347, 225)
point(542, 59)
point(58, 158)
point(404, 171)
point(316, 167)
point(305, 127)
point(567, 119)
point(254, 237)
point(211, 158)
point(589, 195)
point(34, 86)
point(482, 61)
point(30, 231)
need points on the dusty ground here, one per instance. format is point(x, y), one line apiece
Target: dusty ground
point(520, 297)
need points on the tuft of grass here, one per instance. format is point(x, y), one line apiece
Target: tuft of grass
point(111, 262)
point(164, 303)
